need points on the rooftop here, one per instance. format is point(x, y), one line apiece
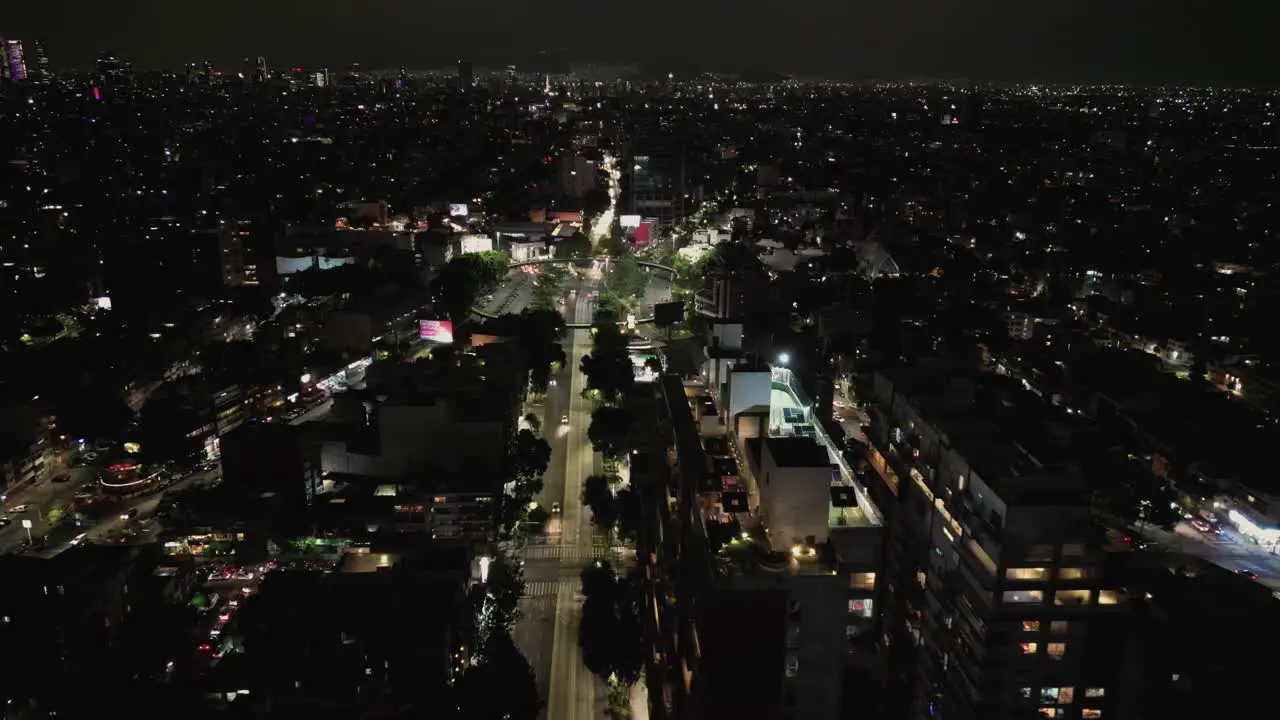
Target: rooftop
point(797, 452)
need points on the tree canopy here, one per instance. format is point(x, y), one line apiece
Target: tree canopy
point(501, 687)
point(464, 278)
point(611, 634)
point(610, 431)
point(608, 366)
point(597, 494)
point(538, 332)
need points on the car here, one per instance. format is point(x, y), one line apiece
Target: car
point(5, 522)
point(63, 478)
point(19, 509)
point(1248, 573)
point(564, 419)
point(555, 508)
point(78, 540)
point(1201, 525)
point(130, 514)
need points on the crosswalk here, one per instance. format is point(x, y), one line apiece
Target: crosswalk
point(552, 588)
point(572, 553)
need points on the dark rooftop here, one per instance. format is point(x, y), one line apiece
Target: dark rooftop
point(798, 452)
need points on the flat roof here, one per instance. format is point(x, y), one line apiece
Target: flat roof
point(798, 452)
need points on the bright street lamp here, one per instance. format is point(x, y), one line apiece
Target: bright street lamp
point(783, 359)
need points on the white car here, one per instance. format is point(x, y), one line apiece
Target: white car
point(19, 508)
point(564, 419)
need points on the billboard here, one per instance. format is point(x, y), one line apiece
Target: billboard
point(629, 221)
point(475, 243)
point(641, 237)
point(436, 331)
point(458, 210)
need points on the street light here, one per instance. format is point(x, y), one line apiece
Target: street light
point(783, 359)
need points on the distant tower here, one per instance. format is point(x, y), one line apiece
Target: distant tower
point(39, 62)
point(466, 75)
point(14, 61)
point(260, 72)
point(109, 67)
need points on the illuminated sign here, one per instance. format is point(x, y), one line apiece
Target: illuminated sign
point(437, 331)
point(458, 210)
point(629, 221)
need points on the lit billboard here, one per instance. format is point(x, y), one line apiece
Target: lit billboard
point(629, 221)
point(458, 210)
point(436, 331)
point(642, 236)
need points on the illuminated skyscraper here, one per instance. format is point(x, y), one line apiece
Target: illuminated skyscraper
point(14, 61)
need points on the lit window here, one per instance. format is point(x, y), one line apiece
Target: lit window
point(861, 607)
point(1030, 626)
point(921, 579)
point(1049, 712)
point(1111, 597)
point(1095, 692)
point(1056, 650)
point(1090, 714)
point(1025, 692)
point(1030, 573)
point(1071, 597)
point(1072, 573)
point(862, 581)
point(1058, 627)
point(1028, 648)
point(1023, 596)
point(1057, 695)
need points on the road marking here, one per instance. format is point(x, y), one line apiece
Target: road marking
point(552, 588)
point(572, 553)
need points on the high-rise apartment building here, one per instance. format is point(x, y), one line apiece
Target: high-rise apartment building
point(997, 595)
point(466, 74)
point(779, 550)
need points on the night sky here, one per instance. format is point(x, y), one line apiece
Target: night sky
point(1224, 42)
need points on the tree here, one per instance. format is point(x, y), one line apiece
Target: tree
point(540, 333)
point(597, 494)
point(501, 687)
point(455, 289)
point(608, 366)
point(534, 422)
point(578, 246)
point(626, 278)
point(610, 430)
point(94, 414)
point(530, 455)
point(164, 427)
point(504, 589)
point(630, 516)
point(609, 308)
point(611, 634)
point(549, 287)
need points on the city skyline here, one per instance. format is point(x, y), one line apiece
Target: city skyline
point(994, 40)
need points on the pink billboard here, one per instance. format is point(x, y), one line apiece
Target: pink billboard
point(641, 238)
point(436, 331)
